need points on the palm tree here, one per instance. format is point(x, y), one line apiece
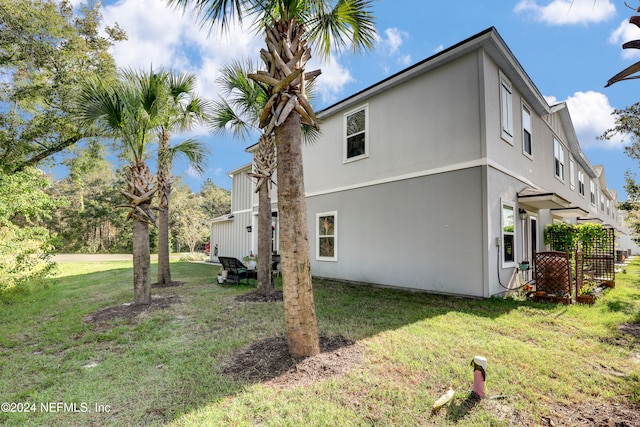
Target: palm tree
point(289, 26)
point(240, 112)
point(180, 108)
point(122, 111)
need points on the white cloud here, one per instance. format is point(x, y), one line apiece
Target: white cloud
point(439, 48)
point(568, 12)
point(591, 115)
point(164, 37)
point(624, 33)
point(404, 60)
point(330, 84)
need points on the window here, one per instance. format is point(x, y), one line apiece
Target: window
point(572, 173)
point(592, 187)
point(506, 109)
point(558, 153)
point(356, 143)
point(326, 247)
point(608, 207)
point(581, 182)
point(526, 131)
point(508, 234)
point(601, 201)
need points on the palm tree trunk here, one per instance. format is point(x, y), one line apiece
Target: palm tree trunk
point(164, 271)
point(141, 262)
point(300, 316)
point(265, 285)
point(164, 194)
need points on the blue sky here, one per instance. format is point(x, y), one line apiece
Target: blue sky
point(569, 49)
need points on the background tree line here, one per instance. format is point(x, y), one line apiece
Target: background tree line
point(88, 220)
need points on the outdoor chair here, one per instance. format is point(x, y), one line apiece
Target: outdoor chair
point(236, 270)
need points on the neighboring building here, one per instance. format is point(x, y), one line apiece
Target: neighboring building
point(439, 178)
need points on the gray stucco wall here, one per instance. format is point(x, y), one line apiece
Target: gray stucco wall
point(422, 233)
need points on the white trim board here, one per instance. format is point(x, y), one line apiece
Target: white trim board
point(444, 169)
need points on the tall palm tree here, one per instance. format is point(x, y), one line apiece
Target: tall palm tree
point(289, 27)
point(239, 111)
point(126, 112)
point(179, 109)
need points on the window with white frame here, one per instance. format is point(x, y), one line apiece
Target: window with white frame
point(506, 109)
point(601, 201)
point(526, 131)
point(592, 187)
point(581, 182)
point(572, 173)
point(508, 234)
point(558, 154)
point(327, 234)
point(608, 207)
point(356, 139)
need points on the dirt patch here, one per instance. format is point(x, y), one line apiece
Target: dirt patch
point(171, 284)
point(632, 329)
point(256, 297)
point(598, 414)
point(268, 360)
point(130, 311)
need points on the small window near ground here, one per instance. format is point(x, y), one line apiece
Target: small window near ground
point(326, 226)
point(356, 138)
point(508, 234)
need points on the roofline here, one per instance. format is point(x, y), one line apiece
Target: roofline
point(488, 39)
point(236, 171)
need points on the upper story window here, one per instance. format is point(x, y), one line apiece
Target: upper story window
point(356, 135)
point(526, 131)
point(608, 207)
point(558, 154)
point(572, 173)
point(601, 201)
point(592, 187)
point(506, 109)
point(581, 182)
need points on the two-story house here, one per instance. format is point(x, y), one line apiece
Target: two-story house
point(439, 178)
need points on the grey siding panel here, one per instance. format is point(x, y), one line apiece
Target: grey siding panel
point(422, 233)
point(232, 237)
point(241, 192)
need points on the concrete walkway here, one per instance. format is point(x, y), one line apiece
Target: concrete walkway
point(92, 257)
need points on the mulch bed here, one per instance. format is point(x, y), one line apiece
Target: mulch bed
point(256, 297)
point(268, 361)
point(130, 311)
point(171, 284)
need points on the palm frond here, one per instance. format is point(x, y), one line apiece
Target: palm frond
point(349, 22)
point(193, 150)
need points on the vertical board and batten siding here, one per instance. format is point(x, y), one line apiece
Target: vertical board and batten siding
point(231, 235)
point(242, 189)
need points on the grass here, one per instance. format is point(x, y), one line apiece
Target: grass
point(164, 368)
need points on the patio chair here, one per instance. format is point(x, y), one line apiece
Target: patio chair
point(236, 270)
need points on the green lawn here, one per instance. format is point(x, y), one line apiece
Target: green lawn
point(165, 367)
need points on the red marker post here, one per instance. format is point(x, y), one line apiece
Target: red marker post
point(479, 364)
